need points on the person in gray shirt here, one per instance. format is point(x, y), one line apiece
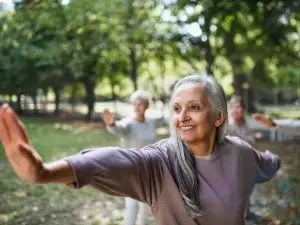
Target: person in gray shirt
point(135, 131)
point(196, 176)
point(238, 125)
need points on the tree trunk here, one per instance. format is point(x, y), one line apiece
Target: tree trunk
point(209, 58)
point(113, 94)
point(238, 80)
point(19, 109)
point(89, 85)
point(251, 100)
point(57, 100)
point(11, 102)
point(25, 103)
point(35, 106)
point(44, 100)
point(238, 76)
point(257, 74)
point(208, 50)
point(134, 68)
point(73, 96)
point(242, 85)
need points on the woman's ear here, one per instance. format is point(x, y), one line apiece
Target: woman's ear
point(220, 119)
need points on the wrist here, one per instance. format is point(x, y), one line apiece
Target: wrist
point(44, 174)
point(111, 124)
point(273, 124)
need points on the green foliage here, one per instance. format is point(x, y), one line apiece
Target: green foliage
point(239, 30)
point(47, 44)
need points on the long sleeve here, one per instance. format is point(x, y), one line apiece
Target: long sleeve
point(136, 173)
point(267, 165)
point(119, 128)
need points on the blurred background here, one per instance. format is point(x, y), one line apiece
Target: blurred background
point(63, 61)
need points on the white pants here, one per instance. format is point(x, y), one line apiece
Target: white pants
point(132, 207)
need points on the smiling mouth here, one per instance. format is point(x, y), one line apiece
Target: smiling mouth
point(186, 127)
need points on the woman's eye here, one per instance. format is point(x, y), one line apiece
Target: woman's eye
point(176, 109)
point(195, 107)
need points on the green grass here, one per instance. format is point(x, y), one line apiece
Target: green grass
point(54, 140)
point(31, 204)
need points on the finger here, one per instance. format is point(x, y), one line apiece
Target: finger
point(19, 126)
point(108, 111)
point(4, 133)
point(16, 128)
point(105, 112)
point(104, 116)
point(4, 106)
point(111, 116)
point(30, 151)
point(107, 116)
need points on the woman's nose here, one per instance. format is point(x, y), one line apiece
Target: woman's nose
point(183, 116)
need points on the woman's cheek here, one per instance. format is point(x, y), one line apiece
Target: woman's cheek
point(176, 122)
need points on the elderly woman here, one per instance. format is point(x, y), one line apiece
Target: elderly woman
point(197, 176)
point(136, 131)
point(238, 127)
point(237, 123)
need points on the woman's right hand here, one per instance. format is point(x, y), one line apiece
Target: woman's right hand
point(23, 158)
point(108, 118)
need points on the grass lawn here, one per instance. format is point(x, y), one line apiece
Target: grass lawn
point(27, 204)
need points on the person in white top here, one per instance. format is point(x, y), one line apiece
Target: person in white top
point(238, 125)
point(136, 131)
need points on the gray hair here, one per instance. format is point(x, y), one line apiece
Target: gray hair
point(237, 99)
point(142, 95)
point(185, 170)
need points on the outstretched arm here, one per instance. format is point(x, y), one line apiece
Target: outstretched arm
point(24, 159)
point(267, 165)
point(264, 119)
point(123, 172)
point(291, 127)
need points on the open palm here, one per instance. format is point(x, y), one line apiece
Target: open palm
point(24, 159)
point(108, 117)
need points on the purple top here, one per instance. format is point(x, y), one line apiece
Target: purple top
point(226, 179)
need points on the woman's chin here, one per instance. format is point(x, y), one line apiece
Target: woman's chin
point(186, 139)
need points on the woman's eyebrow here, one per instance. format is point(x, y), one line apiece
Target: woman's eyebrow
point(199, 101)
point(191, 101)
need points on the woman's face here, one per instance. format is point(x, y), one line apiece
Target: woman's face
point(193, 115)
point(140, 107)
point(237, 112)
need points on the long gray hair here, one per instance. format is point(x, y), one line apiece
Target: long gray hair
point(184, 165)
